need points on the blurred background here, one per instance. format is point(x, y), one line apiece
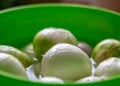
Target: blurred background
point(108, 4)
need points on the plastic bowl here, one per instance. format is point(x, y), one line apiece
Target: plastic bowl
point(19, 25)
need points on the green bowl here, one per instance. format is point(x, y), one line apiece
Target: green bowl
point(19, 25)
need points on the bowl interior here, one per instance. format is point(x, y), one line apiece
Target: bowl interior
point(19, 25)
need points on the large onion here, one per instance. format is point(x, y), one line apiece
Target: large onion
point(67, 62)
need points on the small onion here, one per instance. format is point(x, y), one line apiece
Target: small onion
point(105, 49)
point(67, 62)
point(23, 58)
point(10, 64)
point(48, 37)
point(36, 65)
point(85, 47)
point(108, 68)
point(28, 50)
point(37, 68)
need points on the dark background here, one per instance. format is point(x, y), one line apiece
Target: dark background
point(108, 4)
